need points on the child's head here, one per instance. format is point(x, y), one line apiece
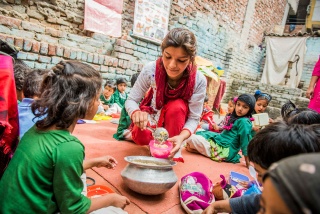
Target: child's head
point(279, 140)
point(292, 185)
point(262, 101)
point(109, 88)
point(134, 78)
point(69, 91)
point(206, 99)
point(20, 71)
point(289, 110)
point(32, 83)
point(307, 117)
point(231, 104)
point(121, 85)
point(244, 105)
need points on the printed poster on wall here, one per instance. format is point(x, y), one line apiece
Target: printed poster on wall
point(151, 19)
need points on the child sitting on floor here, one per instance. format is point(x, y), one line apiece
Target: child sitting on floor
point(49, 181)
point(236, 135)
point(106, 97)
point(262, 102)
point(273, 143)
point(124, 130)
point(207, 119)
point(120, 95)
point(31, 91)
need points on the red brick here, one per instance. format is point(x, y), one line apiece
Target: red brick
point(52, 50)
point(18, 42)
point(8, 21)
point(35, 47)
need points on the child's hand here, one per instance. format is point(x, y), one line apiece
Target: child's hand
point(119, 200)
point(215, 127)
point(106, 161)
point(105, 107)
point(256, 128)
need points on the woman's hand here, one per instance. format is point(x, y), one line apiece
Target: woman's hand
point(309, 93)
point(140, 119)
point(105, 107)
point(177, 142)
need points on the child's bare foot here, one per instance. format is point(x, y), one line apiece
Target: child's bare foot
point(189, 149)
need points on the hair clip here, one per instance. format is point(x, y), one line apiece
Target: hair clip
point(235, 99)
point(258, 92)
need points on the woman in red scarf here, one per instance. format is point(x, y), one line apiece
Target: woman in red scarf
point(176, 92)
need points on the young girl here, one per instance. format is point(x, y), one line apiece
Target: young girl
point(207, 117)
point(106, 97)
point(176, 93)
point(120, 95)
point(262, 102)
point(226, 145)
point(44, 173)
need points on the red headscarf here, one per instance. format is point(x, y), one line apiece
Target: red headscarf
point(184, 90)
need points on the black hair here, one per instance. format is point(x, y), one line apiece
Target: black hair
point(206, 98)
point(262, 96)
point(121, 80)
point(134, 78)
point(110, 84)
point(289, 110)
point(307, 117)
point(280, 140)
point(67, 92)
point(20, 71)
point(32, 83)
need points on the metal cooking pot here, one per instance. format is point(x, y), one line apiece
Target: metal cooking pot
point(149, 175)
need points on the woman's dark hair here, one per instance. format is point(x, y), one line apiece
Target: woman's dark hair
point(32, 83)
point(120, 80)
point(181, 37)
point(110, 84)
point(280, 140)
point(67, 92)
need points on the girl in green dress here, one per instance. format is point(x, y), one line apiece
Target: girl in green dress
point(236, 135)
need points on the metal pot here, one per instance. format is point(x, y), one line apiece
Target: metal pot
point(149, 175)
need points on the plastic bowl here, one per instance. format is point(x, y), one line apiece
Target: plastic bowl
point(98, 190)
point(160, 150)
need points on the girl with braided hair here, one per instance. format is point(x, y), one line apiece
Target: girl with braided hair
point(44, 173)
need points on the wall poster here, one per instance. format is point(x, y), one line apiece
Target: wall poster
point(151, 19)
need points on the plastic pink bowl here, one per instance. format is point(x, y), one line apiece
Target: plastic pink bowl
point(160, 151)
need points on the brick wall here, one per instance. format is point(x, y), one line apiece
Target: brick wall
point(312, 56)
point(51, 30)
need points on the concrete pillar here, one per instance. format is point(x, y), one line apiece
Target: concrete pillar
point(247, 23)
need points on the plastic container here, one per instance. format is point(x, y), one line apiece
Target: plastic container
point(95, 191)
point(160, 150)
point(236, 177)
